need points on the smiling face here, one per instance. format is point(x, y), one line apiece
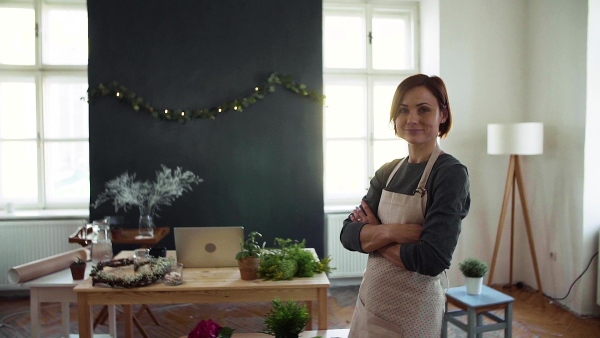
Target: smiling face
point(419, 116)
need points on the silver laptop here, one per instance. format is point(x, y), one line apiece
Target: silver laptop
point(207, 247)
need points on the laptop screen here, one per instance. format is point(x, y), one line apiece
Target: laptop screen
point(208, 247)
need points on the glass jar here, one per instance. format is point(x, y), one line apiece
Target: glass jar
point(141, 260)
point(101, 242)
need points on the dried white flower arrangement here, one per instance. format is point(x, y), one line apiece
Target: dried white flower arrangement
point(125, 192)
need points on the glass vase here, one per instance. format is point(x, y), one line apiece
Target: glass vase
point(146, 225)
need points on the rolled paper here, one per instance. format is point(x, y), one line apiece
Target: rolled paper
point(41, 267)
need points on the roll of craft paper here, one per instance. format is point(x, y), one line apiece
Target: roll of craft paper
point(41, 267)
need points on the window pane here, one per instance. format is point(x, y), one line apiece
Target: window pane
point(65, 37)
point(18, 171)
point(345, 110)
point(17, 109)
point(345, 170)
point(344, 41)
point(65, 113)
point(382, 102)
point(67, 172)
point(386, 151)
point(17, 36)
point(391, 48)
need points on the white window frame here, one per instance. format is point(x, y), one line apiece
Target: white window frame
point(370, 75)
point(39, 71)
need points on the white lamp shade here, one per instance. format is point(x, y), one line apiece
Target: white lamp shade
point(525, 138)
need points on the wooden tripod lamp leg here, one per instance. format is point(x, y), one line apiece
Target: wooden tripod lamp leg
point(507, 189)
point(527, 222)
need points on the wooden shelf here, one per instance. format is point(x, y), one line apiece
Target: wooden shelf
point(129, 236)
point(83, 236)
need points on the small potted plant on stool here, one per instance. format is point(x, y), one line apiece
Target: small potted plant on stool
point(474, 270)
point(249, 256)
point(78, 269)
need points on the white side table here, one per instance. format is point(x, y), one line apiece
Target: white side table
point(58, 287)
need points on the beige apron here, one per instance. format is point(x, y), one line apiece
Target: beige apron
point(392, 301)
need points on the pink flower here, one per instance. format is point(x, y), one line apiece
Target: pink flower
point(205, 329)
point(209, 329)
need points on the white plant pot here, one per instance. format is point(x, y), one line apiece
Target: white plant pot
point(474, 285)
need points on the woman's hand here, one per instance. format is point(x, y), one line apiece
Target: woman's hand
point(363, 214)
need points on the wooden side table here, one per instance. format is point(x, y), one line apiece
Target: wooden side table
point(475, 307)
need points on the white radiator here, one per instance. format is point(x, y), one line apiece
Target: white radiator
point(347, 263)
point(27, 240)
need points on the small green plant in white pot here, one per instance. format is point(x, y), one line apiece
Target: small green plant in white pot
point(474, 270)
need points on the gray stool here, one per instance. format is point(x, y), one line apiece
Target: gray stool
point(475, 307)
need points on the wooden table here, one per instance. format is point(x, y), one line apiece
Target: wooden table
point(58, 287)
point(212, 285)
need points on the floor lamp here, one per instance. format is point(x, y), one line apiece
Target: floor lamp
point(515, 139)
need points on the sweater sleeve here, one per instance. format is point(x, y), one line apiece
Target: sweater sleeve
point(447, 205)
point(350, 234)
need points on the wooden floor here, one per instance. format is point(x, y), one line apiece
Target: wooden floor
point(534, 316)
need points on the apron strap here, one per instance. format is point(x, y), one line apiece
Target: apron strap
point(421, 187)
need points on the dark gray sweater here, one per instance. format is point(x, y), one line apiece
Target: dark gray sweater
point(448, 202)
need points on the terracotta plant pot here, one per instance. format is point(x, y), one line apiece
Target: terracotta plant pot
point(78, 272)
point(249, 268)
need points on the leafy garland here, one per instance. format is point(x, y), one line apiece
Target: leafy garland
point(158, 268)
point(126, 96)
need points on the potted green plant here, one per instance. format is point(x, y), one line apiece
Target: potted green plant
point(286, 319)
point(249, 256)
point(474, 270)
point(78, 268)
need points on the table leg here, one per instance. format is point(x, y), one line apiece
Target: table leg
point(508, 319)
point(479, 323)
point(34, 305)
point(309, 308)
point(128, 318)
point(322, 298)
point(147, 309)
point(445, 322)
point(84, 316)
point(66, 318)
point(471, 318)
point(112, 321)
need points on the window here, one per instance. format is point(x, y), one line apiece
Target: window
point(368, 49)
point(43, 118)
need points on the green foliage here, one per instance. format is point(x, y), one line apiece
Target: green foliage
point(78, 261)
point(249, 247)
point(290, 260)
point(473, 268)
point(130, 98)
point(286, 319)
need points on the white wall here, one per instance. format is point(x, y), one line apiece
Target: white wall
point(519, 61)
point(591, 196)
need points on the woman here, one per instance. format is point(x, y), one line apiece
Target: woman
point(409, 221)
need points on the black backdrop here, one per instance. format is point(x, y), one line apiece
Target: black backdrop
point(263, 167)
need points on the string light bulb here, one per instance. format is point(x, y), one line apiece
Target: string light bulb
point(118, 94)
